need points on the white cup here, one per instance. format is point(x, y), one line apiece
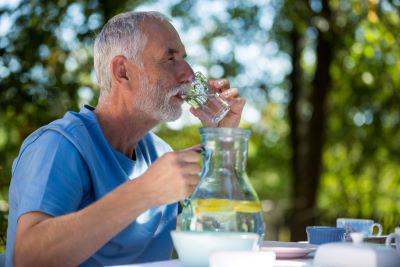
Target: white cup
point(364, 226)
point(395, 237)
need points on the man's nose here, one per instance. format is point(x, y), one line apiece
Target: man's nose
point(187, 74)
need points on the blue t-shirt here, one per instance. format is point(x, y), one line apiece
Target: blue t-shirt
point(67, 165)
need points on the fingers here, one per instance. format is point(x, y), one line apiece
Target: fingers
point(174, 175)
point(188, 156)
point(232, 119)
point(237, 104)
point(196, 148)
point(230, 93)
point(190, 168)
point(188, 191)
point(202, 117)
point(192, 180)
point(219, 85)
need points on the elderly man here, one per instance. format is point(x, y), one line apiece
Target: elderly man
point(97, 188)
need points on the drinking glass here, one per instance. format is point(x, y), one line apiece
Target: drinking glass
point(210, 104)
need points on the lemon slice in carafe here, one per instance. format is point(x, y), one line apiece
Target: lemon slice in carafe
point(225, 205)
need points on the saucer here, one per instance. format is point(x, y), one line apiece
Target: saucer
point(288, 250)
point(376, 239)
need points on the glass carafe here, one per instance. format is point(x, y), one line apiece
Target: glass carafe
point(224, 199)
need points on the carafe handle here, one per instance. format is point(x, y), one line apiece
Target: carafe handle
point(185, 202)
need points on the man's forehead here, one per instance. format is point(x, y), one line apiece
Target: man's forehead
point(163, 34)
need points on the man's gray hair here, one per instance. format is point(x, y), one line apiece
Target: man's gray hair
point(122, 35)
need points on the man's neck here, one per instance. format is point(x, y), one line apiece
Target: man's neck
point(123, 126)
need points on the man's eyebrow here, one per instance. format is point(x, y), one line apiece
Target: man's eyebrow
point(172, 51)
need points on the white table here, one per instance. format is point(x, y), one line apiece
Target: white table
point(177, 263)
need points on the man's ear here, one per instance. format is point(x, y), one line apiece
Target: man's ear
point(119, 69)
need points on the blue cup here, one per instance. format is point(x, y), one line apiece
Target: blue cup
point(323, 234)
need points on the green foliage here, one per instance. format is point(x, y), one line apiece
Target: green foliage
point(361, 155)
point(46, 69)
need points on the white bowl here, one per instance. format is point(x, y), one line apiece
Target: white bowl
point(195, 248)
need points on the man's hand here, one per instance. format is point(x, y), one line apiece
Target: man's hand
point(231, 95)
point(173, 176)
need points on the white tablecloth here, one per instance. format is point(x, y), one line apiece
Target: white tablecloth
point(177, 263)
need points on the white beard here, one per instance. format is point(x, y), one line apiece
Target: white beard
point(156, 101)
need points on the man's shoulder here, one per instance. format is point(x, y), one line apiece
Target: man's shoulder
point(68, 126)
point(42, 143)
point(71, 123)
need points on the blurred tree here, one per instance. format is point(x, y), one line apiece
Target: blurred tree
point(352, 44)
point(307, 135)
point(362, 151)
point(326, 136)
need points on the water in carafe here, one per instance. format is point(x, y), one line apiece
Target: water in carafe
point(224, 199)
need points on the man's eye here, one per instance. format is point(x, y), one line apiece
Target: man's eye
point(171, 59)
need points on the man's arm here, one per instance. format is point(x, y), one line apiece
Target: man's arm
point(68, 240)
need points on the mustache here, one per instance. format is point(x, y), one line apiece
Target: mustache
point(181, 89)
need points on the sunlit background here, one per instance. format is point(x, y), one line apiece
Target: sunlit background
point(321, 79)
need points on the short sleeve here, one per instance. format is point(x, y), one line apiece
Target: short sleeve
point(50, 176)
